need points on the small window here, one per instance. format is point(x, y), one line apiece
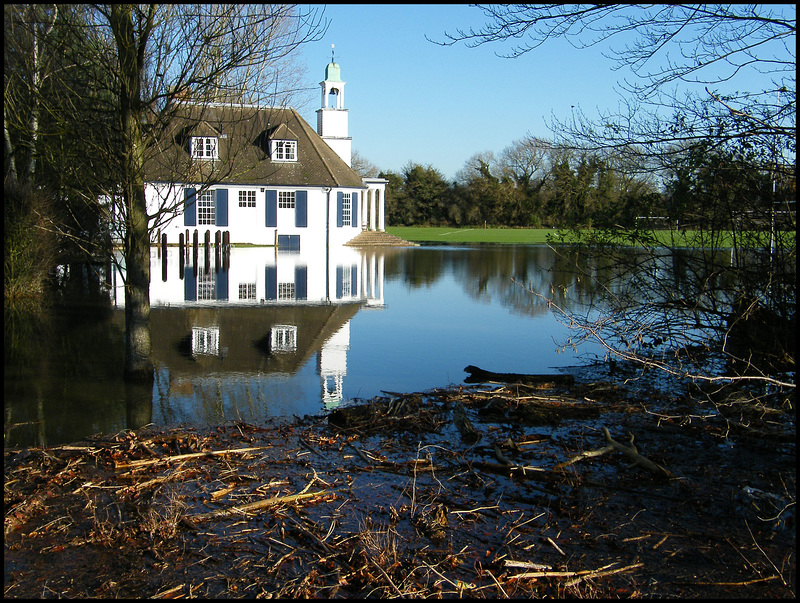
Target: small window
point(205, 341)
point(286, 199)
point(247, 198)
point(284, 150)
point(283, 338)
point(206, 210)
point(346, 209)
point(286, 292)
point(204, 147)
point(247, 290)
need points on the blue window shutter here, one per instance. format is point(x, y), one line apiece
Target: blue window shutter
point(354, 209)
point(271, 279)
point(221, 218)
point(189, 284)
point(189, 207)
point(272, 208)
point(339, 203)
point(301, 209)
point(221, 285)
point(301, 282)
point(339, 281)
point(353, 280)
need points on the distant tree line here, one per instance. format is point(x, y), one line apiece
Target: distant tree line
point(534, 183)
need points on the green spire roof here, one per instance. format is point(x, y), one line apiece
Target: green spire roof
point(332, 73)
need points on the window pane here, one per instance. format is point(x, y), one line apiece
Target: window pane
point(346, 209)
point(206, 212)
point(286, 199)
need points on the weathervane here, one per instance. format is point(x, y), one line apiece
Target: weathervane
point(332, 61)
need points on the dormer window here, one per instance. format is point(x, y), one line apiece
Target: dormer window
point(283, 150)
point(204, 147)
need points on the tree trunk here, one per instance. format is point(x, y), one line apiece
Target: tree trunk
point(138, 359)
point(138, 352)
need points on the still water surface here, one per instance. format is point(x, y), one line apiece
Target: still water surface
point(265, 333)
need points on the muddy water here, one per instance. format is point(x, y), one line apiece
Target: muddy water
point(263, 333)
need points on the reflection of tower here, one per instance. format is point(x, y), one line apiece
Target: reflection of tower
point(332, 116)
point(332, 359)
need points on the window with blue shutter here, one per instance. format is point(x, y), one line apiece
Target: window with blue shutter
point(189, 207)
point(301, 209)
point(272, 208)
point(339, 206)
point(222, 207)
point(354, 209)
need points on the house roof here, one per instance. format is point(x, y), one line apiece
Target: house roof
point(244, 331)
point(244, 133)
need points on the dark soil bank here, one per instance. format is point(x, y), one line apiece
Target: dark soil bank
point(483, 491)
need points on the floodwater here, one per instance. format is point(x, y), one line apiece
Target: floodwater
point(262, 333)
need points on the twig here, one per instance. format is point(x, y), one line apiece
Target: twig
point(600, 574)
point(385, 575)
point(310, 447)
point(584, 573)
point(193, 455)
point(259, 505)
point(763, 553)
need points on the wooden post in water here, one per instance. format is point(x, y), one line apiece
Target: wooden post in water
point(181, 257)
point(207, 251)
point(194, 252)
point(226, 250)
point(217, 250)
point(164, 257)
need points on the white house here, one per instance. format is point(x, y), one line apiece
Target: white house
point(261, 176)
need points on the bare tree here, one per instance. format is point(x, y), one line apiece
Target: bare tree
point(724, 149)
point(363, 166)
point(156, 56)
point(665, 49)
point(27, 29)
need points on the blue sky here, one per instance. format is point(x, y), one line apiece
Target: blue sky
point(412, 100)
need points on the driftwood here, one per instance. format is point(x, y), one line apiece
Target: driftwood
point(626, 450)
point(478, 375)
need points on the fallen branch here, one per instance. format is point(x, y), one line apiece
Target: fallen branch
point(638, 458)
point(180, 457)
point(583, 574)
point(626, 450)
point(258, 505)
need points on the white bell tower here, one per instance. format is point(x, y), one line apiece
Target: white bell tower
point(332, 116)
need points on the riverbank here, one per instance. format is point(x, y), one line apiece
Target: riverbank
point(483, 490)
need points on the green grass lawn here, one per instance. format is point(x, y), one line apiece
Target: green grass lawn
point(538, 236)
point(437, 234)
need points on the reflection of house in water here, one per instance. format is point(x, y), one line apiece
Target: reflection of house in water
point(257, 312)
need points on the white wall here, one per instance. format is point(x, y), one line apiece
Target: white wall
point(247, 224)
point(324, 269)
